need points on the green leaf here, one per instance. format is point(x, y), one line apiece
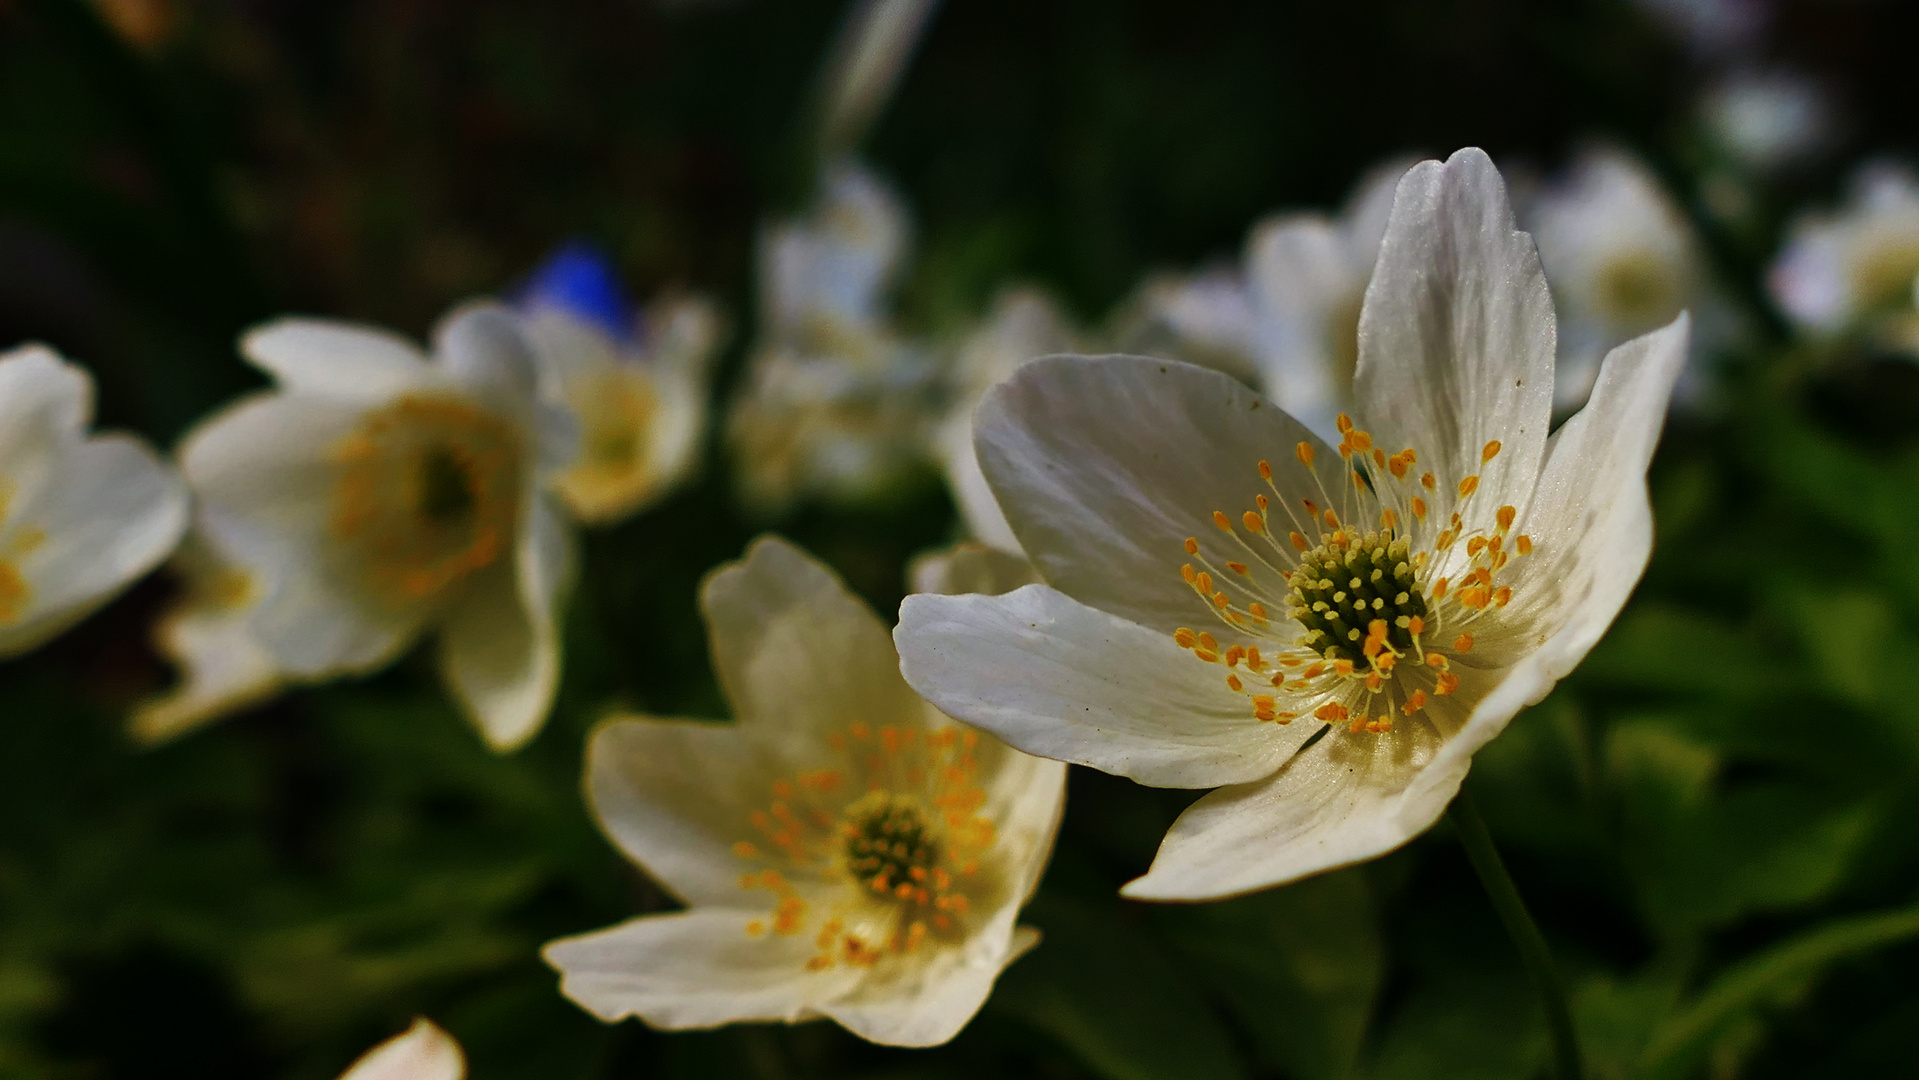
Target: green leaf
point(1299, 966)
point(1104, 988)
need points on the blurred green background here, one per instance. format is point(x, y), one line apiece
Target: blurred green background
point(1711, 818)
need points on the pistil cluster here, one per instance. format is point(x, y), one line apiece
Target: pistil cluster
point(1370, 620)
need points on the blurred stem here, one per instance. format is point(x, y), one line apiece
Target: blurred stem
point(1524, 932)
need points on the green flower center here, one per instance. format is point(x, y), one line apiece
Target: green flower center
point(1343, 586)
point(888, 842)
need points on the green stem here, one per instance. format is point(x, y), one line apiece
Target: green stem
point(1524, 932)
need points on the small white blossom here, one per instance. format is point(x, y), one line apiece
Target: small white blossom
point(377, 494)
point(836, 402)
point(1855, 269)
point(81, 515)
point(206, 635)
point(1622, 258)
point(1289, 317)
point(1768, 120)
point(421, 1052)
point(843, 849)
point(1324, 636)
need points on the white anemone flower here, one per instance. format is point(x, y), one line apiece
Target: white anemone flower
point(1289, 317)
point(1326, 636)
point(377, 493)
point(1855, 269)
point(421, 1052)
point(81, 516)
point(206, 635)
point(836, 403)
point(843, 850)
point(640, 405)
point(1024, 323)
point(1622, 257)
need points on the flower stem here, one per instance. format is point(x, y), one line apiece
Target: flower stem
point(1524, 932)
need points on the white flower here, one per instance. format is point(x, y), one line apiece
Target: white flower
point(207, 636)
point(421, 1052)
point(1024, 324)
point(1623, 260)
point(80, 516)
point(1290, 316)
point(640, 406)
point(377, 494)
point(1164, 506)
point(843, 850)
point(969, 568)
point(1856, 268)
point(1768, 120)
point(836, 403)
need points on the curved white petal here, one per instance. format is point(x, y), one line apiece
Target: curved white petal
point(1456, 335)
point(207, 636)
point(109, 511)
point(421, 1052)
point(1303, 276)
point(926, 1004)
point(45, 405)
point(480, 345)
point(974, 497)
point(335, 359)
point(263, 472)
point(1105, 465)
point(500, 640)
point(797, 654)
point(1062, 680)
point(695, 969)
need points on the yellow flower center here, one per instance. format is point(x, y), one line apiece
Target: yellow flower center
point(1883, 274)
point(890, 833)
point(1638, 288)
point(616, 413)
point(1352, 626)
point(428, 493)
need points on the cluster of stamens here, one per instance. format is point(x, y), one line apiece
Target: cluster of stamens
point(1370, 620)
point(896, 827)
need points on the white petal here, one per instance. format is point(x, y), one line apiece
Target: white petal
point(45, 404)
point(1456, 335)
point(500, 640)
point(927, 1002)
point(262, 472)
point(1059, 679)
point(421, 1052)
point(675, 795)
point(480, 345)
point(1105, 465)
point(1307, 288)
point(207, 636)
point(695, 969)
point(797, 654)
point(335, 359)
point(969, 568)
point(1025, 799)
point(108, 513)
point(1345, 799)
point(977, 507)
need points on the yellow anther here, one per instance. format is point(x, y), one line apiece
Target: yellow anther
point(1183, 637)
point(1428, 482)
point(1379, 457)
point(1331, 519)
point(1262, 502)
point(1192, 545)
point(1439, 589)
point(1234, 654)
point(1189, 573)
point(1236, 567)
point(1342, 667)
point(1490, 452)
point(1448, 682)
point(1506, 515)
point(1253, 522)
point(1233, 683)
point(1397, 465)
point(1220, 519)
point(1388, 518)
point(1502, 596)
point(1463, 643)
point(1266, 469)
point(1257, 610)
point(1414, 702)
point(1524, 544)
point(1208, 642)
point(1330, 712)
point(1203, 581)
point(1468, 486)
point(1433, 659)
point(1476, 545)
point(1344, 423)
point(1305, 453)
point(746, 850)
point(1361, 441)
point(1222, 601)
point(1419, 508)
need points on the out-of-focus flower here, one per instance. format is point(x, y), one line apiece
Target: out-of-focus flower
point(421, 1052)
point(1290, 316)
point(1622, 258)
point(1714, 28)
point(376, 494)
point(1769, 120)
point(1024, 324)
point(843, 849)
point(80, 516)
point(206, 635)
point(969, 568)
point(836, 403)
point(636, 387)
point(1365, 626)
point(1855, 269)
point(865, 66)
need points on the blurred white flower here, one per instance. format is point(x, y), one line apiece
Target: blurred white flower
point(1768, 120)
point(636, 388)
point(836, 403)
point(1855, 269)
point(1404, 597)
point(969, 568)
point(1023, 324)
point(1289, 318)
point(1622, 258)
point(844, 850)
point(205, 634)
point(421, 1052)
point(1714, 28)
point(865, 66)
point(81, 515)
point(376, 494)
